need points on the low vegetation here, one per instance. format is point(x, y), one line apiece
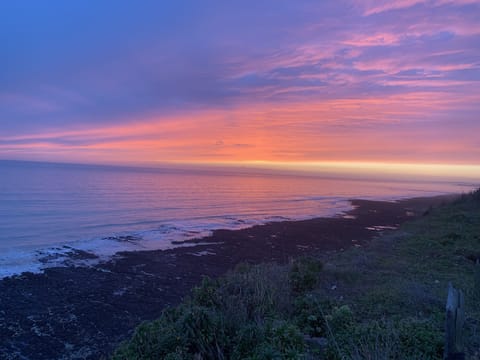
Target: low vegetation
point(384, 301)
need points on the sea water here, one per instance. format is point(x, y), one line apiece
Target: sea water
point(47, 210)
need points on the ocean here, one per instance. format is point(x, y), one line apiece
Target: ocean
point(46, 209)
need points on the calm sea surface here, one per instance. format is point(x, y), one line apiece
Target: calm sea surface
point(45, 207)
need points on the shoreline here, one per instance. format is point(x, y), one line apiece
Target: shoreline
point(92, 251)
point(75, 312)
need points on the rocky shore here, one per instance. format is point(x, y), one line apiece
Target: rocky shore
point(84, 312)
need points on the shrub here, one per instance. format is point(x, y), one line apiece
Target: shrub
point(247, 340)
point(340, 319)
point(408, 338)
point(286, 337)
point(420, 337)
point(308, 315)
point(206, 293)
point(281, 340)
point(225, 318)
point(254, 294)
point(178, 332)
point(304, 274)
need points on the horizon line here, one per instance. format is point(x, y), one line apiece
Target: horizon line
point(312, 167)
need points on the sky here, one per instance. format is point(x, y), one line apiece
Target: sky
point(289, 83)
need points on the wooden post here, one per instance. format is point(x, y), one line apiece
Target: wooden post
point(455, 317)
point(476, 284)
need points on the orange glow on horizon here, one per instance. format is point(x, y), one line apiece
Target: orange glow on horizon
point(400, 170)
point(361, 134)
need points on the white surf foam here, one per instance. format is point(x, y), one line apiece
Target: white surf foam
point(90, 252)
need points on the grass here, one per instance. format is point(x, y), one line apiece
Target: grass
point(384, 301)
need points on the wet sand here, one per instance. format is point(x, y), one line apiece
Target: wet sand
point(83, 313)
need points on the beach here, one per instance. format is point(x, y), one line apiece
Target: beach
point(84, 312)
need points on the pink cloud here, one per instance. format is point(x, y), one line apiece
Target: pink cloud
point(371, 7)
point(384, 39)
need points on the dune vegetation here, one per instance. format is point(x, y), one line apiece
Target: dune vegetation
point(385, 300)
